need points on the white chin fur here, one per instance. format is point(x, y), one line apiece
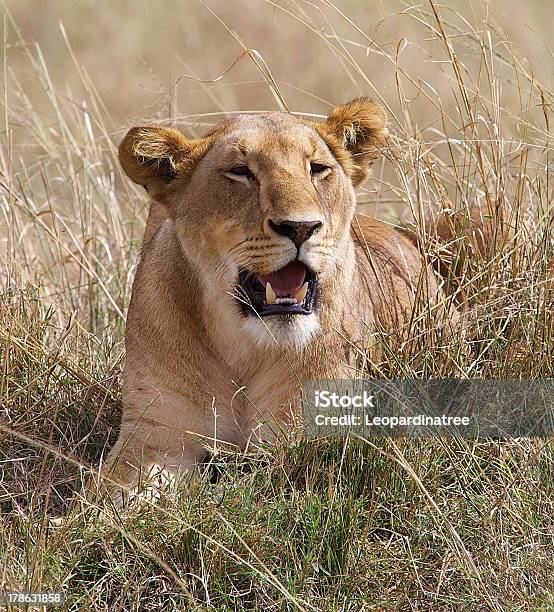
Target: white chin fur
point(275, 331)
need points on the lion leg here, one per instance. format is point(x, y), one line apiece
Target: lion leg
point(136, 468)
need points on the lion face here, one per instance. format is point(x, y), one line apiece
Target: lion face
point(262, 207)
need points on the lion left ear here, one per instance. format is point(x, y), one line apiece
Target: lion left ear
point(359, 128)
point(154, 156)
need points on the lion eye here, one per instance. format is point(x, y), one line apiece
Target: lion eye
point(243, 171)
point(319, 170)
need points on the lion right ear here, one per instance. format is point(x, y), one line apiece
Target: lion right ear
point(153, 156)
point(360, 129)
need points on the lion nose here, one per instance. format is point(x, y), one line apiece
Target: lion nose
point(297, 231)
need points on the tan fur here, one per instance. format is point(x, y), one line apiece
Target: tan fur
point(197, 369)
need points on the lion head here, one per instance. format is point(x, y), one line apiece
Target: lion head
point(262, 207)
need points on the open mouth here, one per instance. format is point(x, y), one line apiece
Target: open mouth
point(290, 290)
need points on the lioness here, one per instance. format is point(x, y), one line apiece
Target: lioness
point(256, 274)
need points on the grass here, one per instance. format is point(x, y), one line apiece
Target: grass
point(310, 525)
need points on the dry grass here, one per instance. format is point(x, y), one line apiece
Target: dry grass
point(324, 525)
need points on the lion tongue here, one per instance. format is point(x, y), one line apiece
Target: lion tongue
point(287, 281)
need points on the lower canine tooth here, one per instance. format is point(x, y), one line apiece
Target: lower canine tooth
point(270, 296)
point(301, 295)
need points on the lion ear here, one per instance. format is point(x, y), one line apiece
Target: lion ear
point(359, 127)
point(152, 156)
